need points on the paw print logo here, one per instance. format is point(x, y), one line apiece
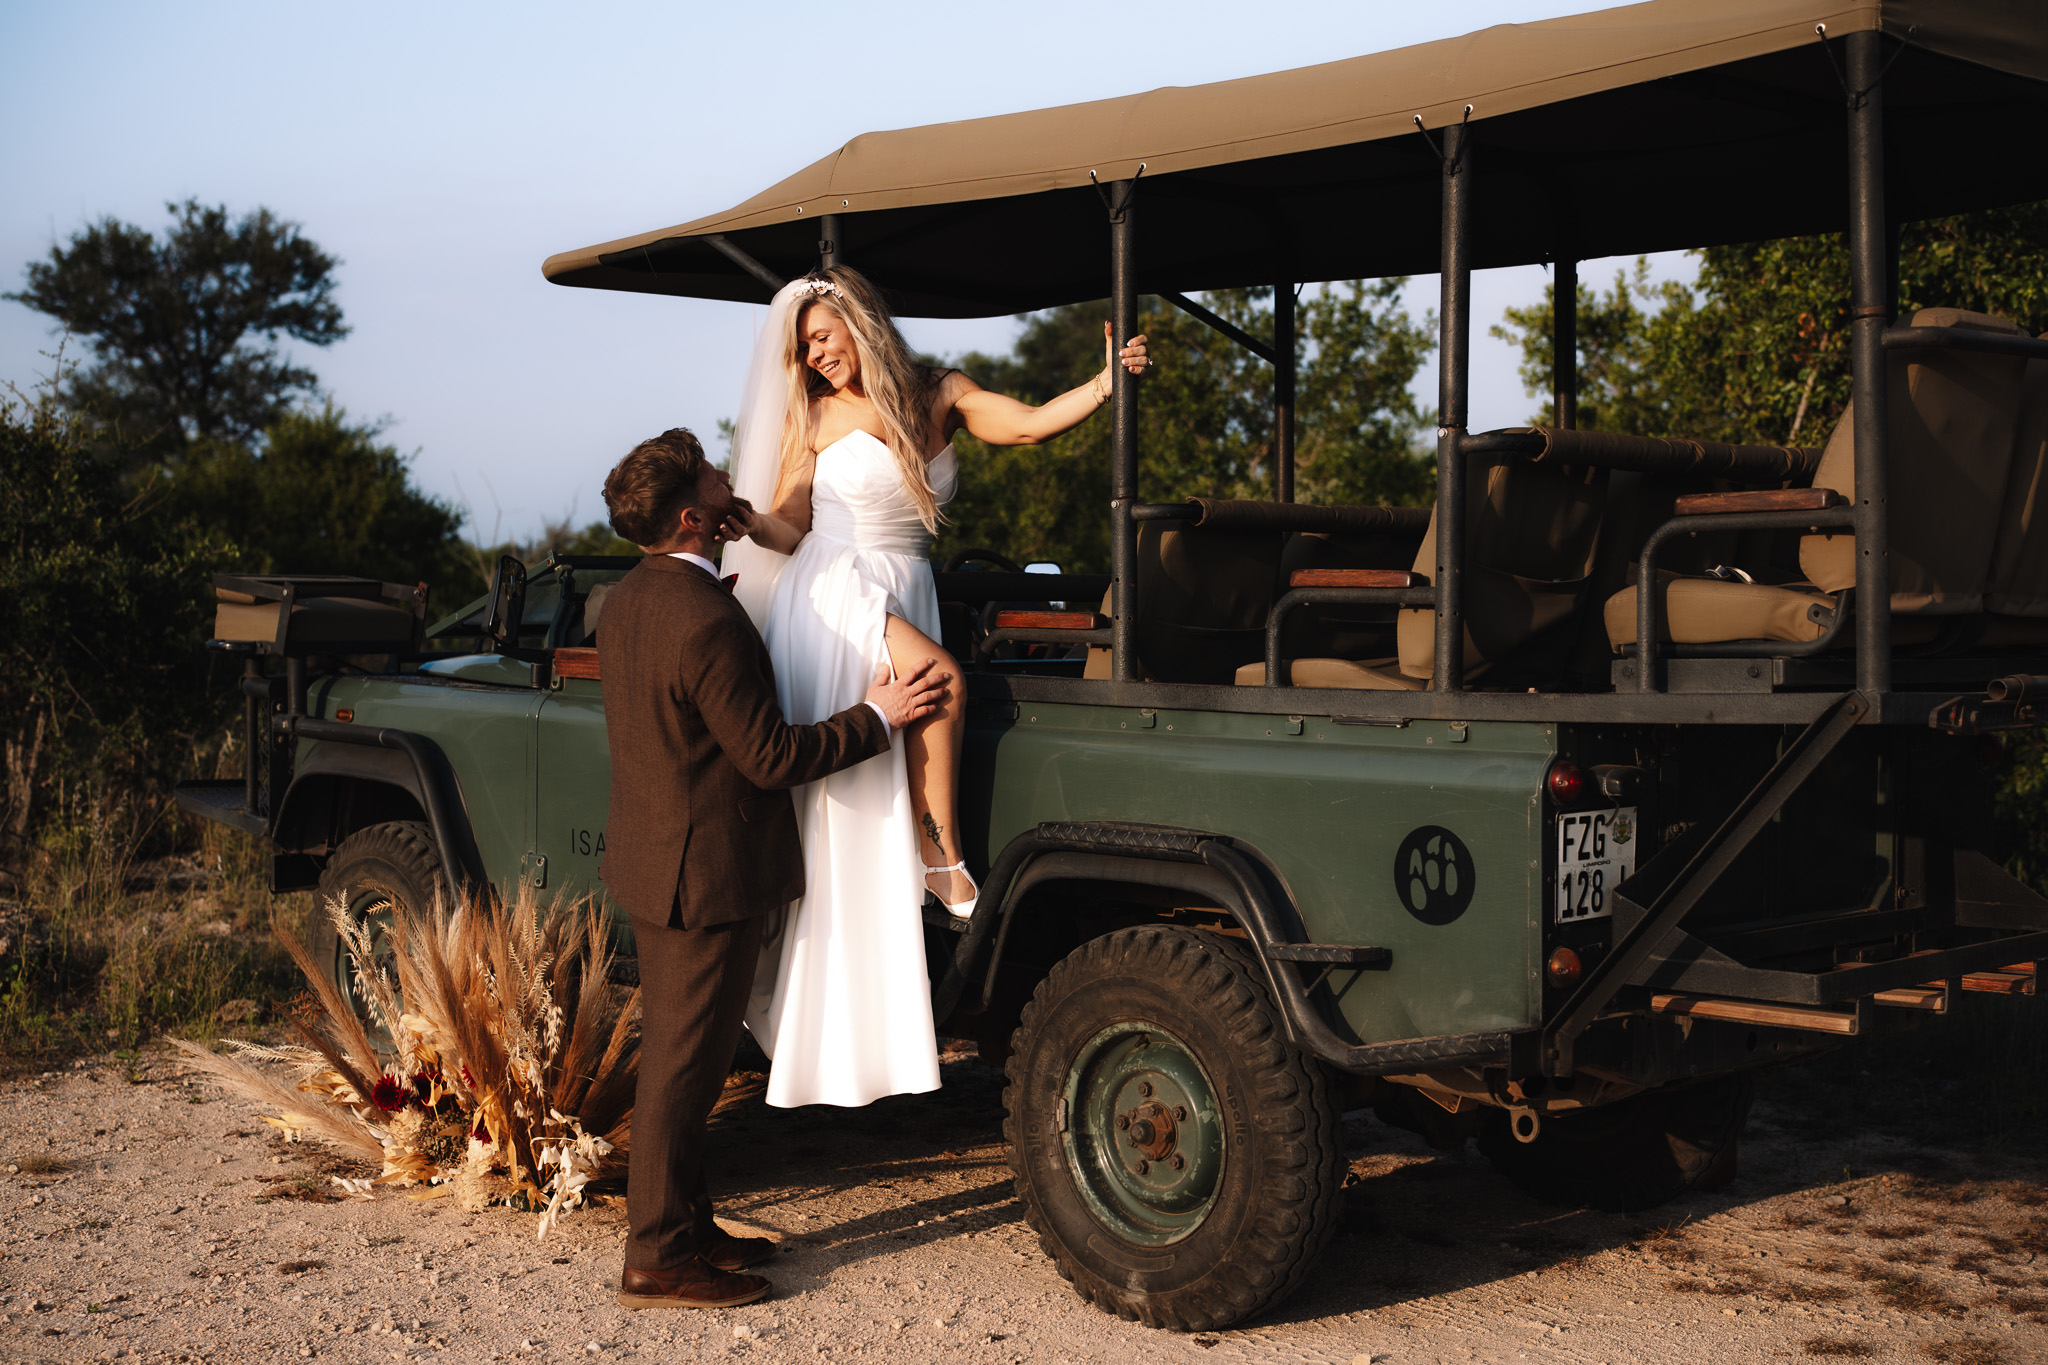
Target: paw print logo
point(1433, 874)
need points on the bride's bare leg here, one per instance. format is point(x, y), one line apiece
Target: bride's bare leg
point(931, 752)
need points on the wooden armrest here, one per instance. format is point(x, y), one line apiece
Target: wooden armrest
point(1048, 620)
point(576, 663)
point(1762, 500)
point(1351, 578)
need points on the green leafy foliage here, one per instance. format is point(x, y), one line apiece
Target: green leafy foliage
point(172, 321)
point(1758, 349)
point(1205, 419)
point(321, 495)
point(106, 589)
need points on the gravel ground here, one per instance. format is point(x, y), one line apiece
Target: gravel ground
point(150, 1218)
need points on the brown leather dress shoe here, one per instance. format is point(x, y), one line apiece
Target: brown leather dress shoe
point(730, 1253)
point(693, 1284)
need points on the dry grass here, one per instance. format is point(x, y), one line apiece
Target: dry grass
point(101, 948)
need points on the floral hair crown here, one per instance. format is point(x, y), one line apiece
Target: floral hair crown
point(816, 287)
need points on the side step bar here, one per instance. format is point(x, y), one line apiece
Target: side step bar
point(1932, 997)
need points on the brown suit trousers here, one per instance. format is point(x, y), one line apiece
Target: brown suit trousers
point(700, 843)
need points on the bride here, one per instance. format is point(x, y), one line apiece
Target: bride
point(847, 438)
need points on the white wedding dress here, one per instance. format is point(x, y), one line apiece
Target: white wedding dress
point(842, 1005)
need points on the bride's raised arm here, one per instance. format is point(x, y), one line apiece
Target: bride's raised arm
point(1001, 420)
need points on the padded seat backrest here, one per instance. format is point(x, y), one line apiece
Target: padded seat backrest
point(1203, 596)
point(2018, 583)
point(1531, 531)
point(1949, 453)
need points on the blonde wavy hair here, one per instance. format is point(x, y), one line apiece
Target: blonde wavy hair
point(899, 387)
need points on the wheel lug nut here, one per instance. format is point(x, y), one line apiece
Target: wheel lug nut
point(1180, 1113)
point(1123, 1120)
point(1145, 1089)
point(1177, 1161)
point(1144, 1166)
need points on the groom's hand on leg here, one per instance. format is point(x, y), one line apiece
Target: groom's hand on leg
point(911, 697)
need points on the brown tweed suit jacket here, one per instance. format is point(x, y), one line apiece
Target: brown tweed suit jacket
point(701, 829)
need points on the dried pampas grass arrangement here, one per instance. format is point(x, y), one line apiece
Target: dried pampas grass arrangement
point(507, 1061)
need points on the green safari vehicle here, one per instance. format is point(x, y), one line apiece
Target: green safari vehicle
point(1332, 806)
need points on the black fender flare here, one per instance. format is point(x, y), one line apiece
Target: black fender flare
point(1226, 873)
point(410, 762)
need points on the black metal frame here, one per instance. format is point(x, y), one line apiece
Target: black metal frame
point(1872, 263)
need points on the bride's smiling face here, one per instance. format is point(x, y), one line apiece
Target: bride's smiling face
point(828, 345)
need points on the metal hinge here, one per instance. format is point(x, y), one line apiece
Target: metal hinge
point(533, 870)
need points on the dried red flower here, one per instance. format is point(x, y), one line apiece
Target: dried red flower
point(388, 1094)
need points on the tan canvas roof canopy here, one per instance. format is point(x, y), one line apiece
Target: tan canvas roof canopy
point(1670, 124)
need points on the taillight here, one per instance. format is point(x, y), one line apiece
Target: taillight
point(1564, 967)
point(1566, 782)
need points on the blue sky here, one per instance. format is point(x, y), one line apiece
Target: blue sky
point(442, 151)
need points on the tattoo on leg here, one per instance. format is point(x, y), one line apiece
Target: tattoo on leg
point(931, 832)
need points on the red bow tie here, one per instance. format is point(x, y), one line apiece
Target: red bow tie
point(728, 581)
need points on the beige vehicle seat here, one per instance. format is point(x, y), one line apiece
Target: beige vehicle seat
point(2017, 585)
point(1205, 588)
point(1531, 531)
point(1952, 419)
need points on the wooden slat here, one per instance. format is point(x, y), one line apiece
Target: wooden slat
point(1914, 998)
point(1762, 500)
point(1755, 1012)
point(2011, 981)
point(576, 663)
point(1048, 620)
point(1351, 578)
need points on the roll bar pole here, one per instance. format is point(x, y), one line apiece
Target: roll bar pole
point(1123, 467)
point(1453, 380)
point(1283, 391)
point(1564, 342)
point(1870, 292)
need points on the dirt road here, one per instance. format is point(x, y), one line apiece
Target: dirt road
point(149, 1218)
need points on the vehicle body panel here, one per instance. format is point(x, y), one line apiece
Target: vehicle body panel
point(1328, 810)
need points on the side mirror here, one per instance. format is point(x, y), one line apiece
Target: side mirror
point(507, 606)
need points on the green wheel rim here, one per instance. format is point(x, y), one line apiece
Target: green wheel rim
point(1143, 1138)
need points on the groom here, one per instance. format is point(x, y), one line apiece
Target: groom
point(702, 842)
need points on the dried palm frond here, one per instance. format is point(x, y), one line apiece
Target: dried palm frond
point(298, 1111)
point(506, 1062)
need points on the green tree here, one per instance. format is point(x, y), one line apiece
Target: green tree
point(175, 321)
point(1758, 349)
point(1206, 418)
point(106, 590)
point(322, 495)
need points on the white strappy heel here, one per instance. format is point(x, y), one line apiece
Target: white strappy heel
point(957, 909)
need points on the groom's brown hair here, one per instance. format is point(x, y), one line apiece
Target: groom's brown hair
point(647, 491)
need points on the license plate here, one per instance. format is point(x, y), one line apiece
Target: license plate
point(1596, 852)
